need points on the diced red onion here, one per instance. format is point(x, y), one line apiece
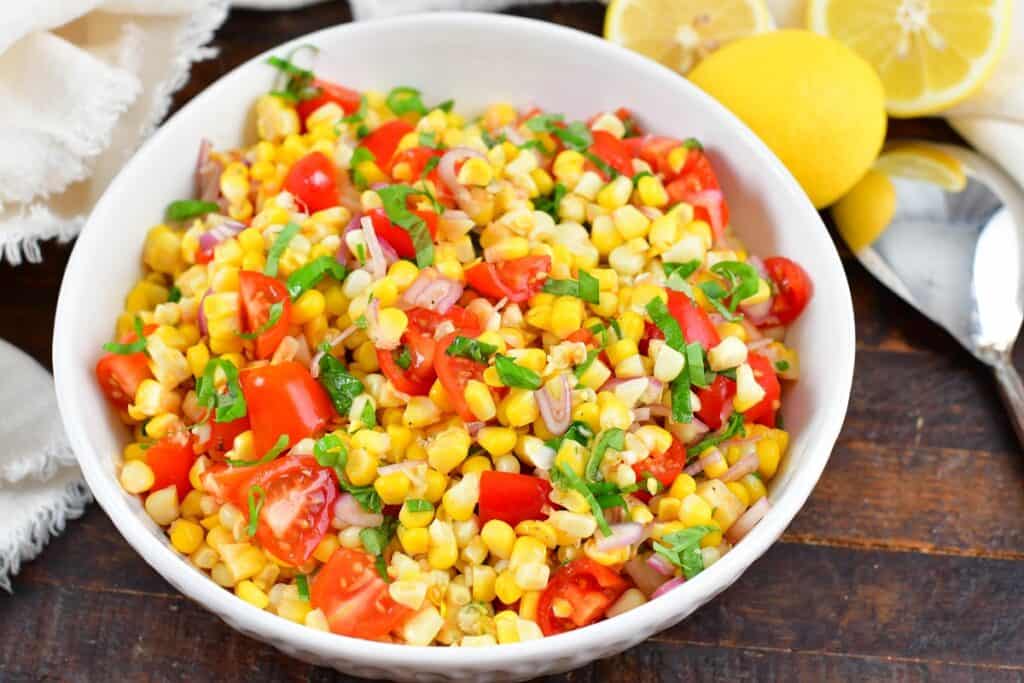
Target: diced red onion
point(348, 512)
point(218, 233)
point(694, 468)
point(432, 291)
point(653, 391)
point(204, 329)
point(640, 415)
point(449, 176)
point(742, 526)
point(375, 262)
point(711, 456)
point(744, 466)
point(660, 564)
point(624, 534)
point(474, 427)
point(207, 174)
point(758, 264)
point(688, 432)
point(667, 586)
point(644, 576)
point(556, 418)
point(759, 312)
point(658, 410)
point(711, 201)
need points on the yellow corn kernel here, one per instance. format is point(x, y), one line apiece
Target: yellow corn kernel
point(414, 541)
point(251, 593)
point(541, 531)
point(392, 487)
point(506, 588)
point(566, 316)
point(497, 440)
point(694, 511)
point(727, 329)
point(595, 375)
point(484, 579)
point(621, 350)
point(419, 519)
point(162, 250)
point(136, 476)
point(712, 538)
point(668, 508)
point(527, 550)
point(134, 451)
point(652, 192)
point(768, 455)
point(630, 222)
point(714, 467)
point(748, 391)
point(402, 273)
point(476, 172)
point(448, 449)
point(499, 537)
point(191, 506)
point(421, 411)
point(520, 407)
point(186, 536)
point(607, 558)
point(308, 306)
point(604, 235)
point(755, 487)
point(460, 500)
point(568, 167)
point(532, 576)
point(740, 491)
point(616, 193)
point(475, 464)
point(539, 316)
point(614, 412)
point(325, 549)
point(162, 505)
point(480, 401)
point(534, 359)
point(443, 551)
point(683, 486)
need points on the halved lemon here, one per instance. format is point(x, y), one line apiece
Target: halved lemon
point(930, 54)
point(679, 33)
point(922, 162)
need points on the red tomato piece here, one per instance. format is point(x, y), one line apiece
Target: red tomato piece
point(664, 467)
point(312, 180)
point(396, 235)
point(297, 507)
point(171, 459)
point(512, 497)
point(654, 150)
point(693, 320)
point(455, 372)
point(794, 287)
point(517, 280)
point(764, 412)
point(120, 375)
point(355, 598)
point(222, 437)
point(346, 98)
point(586, 585)
point(716, 402)
point(612, 151)
point(383, 142)
point(284, 399)
point(464, 321)
point(697, 184)
point(259, 293)
point(417, 379)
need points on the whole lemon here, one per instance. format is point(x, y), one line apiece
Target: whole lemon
point(817, 104)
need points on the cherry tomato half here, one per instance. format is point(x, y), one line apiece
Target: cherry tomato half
point(693, 320)
point(517, 280)
point(764, 412)
point(416, 379)
point(383, 142)
point(284, 399)
point(612, 151)
point(312, 181)
point(346, 98)
point(355, 598)
point(259, 293)
point(455, 372)
point(664, 467)
point(695, 178)
point(396, 235)
point(716, 402)
point(120, 375)
point(171, 459)
point(222, 437)
point(590, 588)
point(794, 288)
point(512, 497)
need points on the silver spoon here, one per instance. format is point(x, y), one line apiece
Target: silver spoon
point(958, 257)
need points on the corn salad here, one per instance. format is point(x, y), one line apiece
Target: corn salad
point(415, 377)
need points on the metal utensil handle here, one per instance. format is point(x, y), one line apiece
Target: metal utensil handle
point(1011, 388)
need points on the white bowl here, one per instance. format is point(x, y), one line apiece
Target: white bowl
point(476, 59)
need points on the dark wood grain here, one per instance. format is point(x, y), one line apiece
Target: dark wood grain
point(904, 564)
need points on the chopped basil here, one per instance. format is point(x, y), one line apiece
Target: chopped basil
point(361, 322)
point(368, 415)
point(695, 364)
point(329, 451)
point(447, 106)
point(403, 359)
point(298, 82)
point(733, 428)
point(254, 507)
point(638, 176)
point(490, 140)
point(600, 330)
point(375, 541)
point(229, 405)
point(693, 143)
point(611, 438)
point(534, 144)
point(550, 204)
point(615, 326)
point(185, 209)
point(361, 253)
point(276, 309)
point(431, 164)
point(742, 277)
point(684, 549)
point(544, 123)
point(359, 114)
point(582, 368)
point(602, 164)
point(366, 496)
point(359, 156)
point(429, 139)
point(174, 294)
point(586, 287)
point(278, 448)
point(682, 407)
point(137, 346)
point(302, 583)
point(681, 270)
point(668, 325)
point(575, 136)
point(513, 375)
point(394, 197)
point(340, 384)
point(565, 477)
point(471, 348)
point(418, 505)
point(580, 432)
point(405, 100)
point(309, 275)
point(715, 293)
point(277, 248)
point(782, 365)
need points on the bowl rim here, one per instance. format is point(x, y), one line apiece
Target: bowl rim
point(597, 637)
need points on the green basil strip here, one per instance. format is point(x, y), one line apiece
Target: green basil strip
point(137, 346)
point(569, 479)
point(394, 197)
point(275, 310)
point(279, 447)
point(613, 438)
point(471, 348)
point(695, 364)
point(186, 209)
point(302, 583)
point(255, 507)
point(668, 325)
point(309, 276)
point(514, 375)
point(733, 428)
point(277, 248)
point(404, 100)
point(229, 405)
point(340, 384)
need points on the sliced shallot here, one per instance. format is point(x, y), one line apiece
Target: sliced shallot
point(375, 261)
point(432, 291)
point(623, 535)
point(667, 586)
point(660, 564)
point(742, 526)
point(744, 466)
point(348, 512)
point(646, 578)
point(556, 417)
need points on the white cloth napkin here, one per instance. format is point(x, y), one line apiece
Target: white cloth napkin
point(991, 120)
point(83, 82)
point(40, 485)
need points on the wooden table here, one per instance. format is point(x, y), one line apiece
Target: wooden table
point(905, 564)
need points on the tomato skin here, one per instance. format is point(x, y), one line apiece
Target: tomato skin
point(284, 399)
point(222, 437)
point(312, 181)
point(396, 236)
point(427, 320)
point(517, 280)
point(612, 151)
point(794, 286)
point(511, 497)
point(417, 379)
point(695, 177)
point(588, 586)
point(693, 320)
point(171, 459)
point(346, 98)
point(354, 597)
point(259, 293)
point(455, 372)
point(764, 412)
point(664, 467)
point(716, 402)
point(119, 376)
point(383, 142)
